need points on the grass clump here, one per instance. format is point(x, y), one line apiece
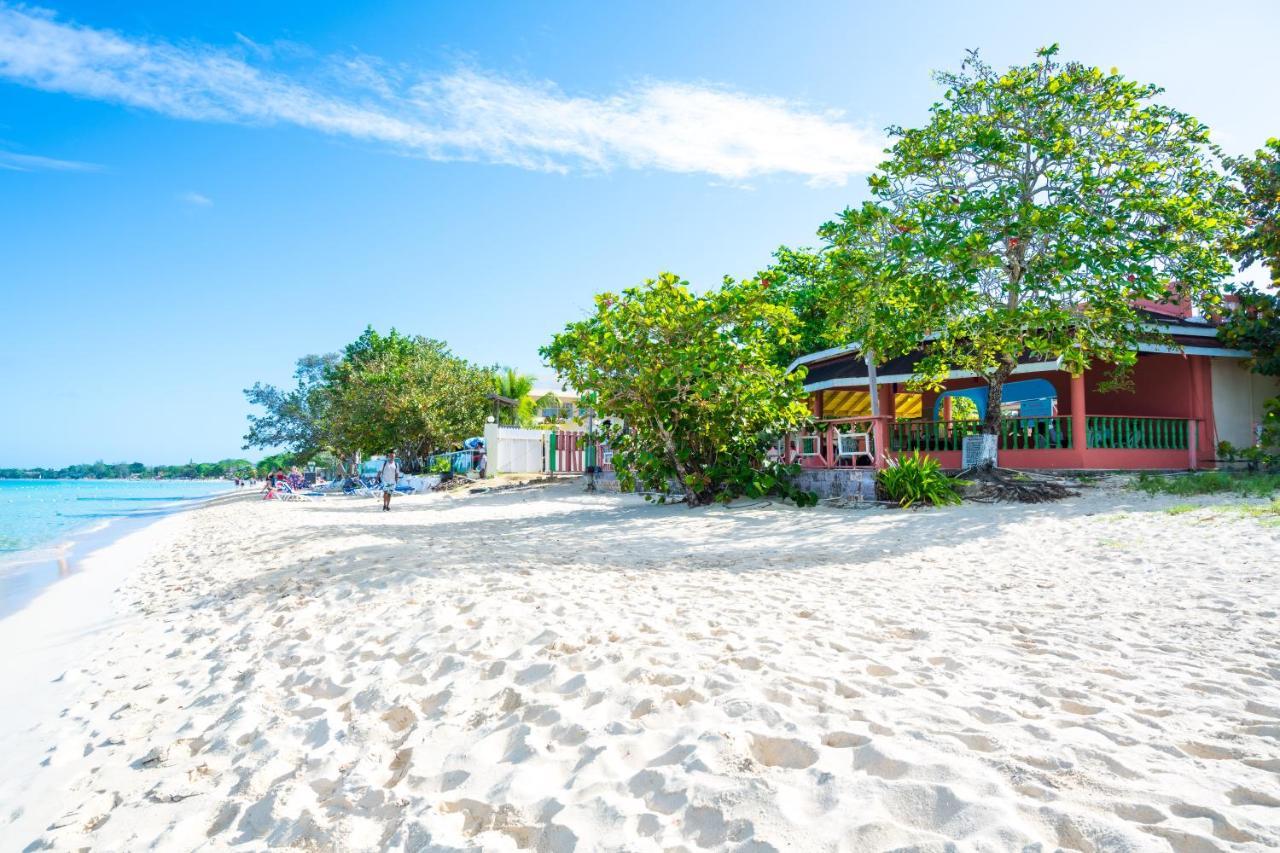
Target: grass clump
point(1180, 509)
point(1251, 484)
point(1268, 514)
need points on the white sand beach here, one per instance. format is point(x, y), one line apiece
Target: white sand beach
point(548, 670)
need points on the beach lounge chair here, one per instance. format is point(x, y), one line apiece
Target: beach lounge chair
point(363, 488)
point(285, 492)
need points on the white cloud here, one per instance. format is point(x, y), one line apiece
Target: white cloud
point(196, 199)
point(15, 162)
point(466, 115)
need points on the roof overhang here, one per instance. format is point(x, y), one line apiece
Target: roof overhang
point(863, 382)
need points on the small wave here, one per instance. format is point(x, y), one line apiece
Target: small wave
point(135, 513)
point(171, 498)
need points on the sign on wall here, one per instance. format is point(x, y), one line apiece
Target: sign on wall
point(978, 450)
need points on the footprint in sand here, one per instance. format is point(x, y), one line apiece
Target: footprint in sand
point(1208, 751)
point(845, 740)
point(1248, 797)
point(782, 752)
point(976, 742)
point(1073, 707)
point(1221, 827)
point(1139, 813)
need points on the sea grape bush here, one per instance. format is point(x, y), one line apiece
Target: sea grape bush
point(691, 386)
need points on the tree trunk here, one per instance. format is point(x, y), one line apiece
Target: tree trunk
point(995, 400)
point(691, 498)
point(995, 397)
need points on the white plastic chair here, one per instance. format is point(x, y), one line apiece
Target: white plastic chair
point(852, 445)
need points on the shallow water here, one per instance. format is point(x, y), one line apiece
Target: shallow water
point(41, 519)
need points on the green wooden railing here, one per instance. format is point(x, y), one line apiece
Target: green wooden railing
point(1032, 433)
point(1125, 433)
point(930, 435)
point(1023, 433)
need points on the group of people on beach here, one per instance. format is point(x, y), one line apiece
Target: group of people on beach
point(278, 480)
point(387, 478)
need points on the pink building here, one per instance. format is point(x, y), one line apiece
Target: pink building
point(1185, 399)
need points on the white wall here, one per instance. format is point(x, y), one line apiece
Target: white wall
point(1238, 395)
point(512, 450)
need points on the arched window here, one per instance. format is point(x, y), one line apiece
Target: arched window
point(1028, 398)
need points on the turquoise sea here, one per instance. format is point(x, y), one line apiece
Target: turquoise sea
point(37, 518)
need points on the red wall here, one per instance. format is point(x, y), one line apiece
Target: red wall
point(1162, 388)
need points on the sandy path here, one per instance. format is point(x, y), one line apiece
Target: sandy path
point(552, 671)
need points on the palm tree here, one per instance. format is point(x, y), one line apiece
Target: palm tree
point(509, 382)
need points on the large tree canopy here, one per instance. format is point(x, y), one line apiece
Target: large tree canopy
point(1041, 203)
point(383, 392)
point(696, 380)
point(405, 393)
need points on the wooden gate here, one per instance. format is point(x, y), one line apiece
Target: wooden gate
point(566, 452)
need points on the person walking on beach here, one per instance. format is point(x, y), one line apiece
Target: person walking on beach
point(388, 476)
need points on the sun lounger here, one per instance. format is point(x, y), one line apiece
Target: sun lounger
point(363, 488)
point(285, 492)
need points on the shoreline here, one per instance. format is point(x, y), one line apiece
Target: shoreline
point(28, 573)
point(50, 635)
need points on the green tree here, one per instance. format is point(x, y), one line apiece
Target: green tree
point(1259, 178)
point(877, 294)
point(511, 383)
point(296, 419)
point(405, 393)
point(800, 279)
point(696, 380)
point(1255, 326)
point(1041, 203)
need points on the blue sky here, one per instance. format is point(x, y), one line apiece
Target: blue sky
point(191, 198)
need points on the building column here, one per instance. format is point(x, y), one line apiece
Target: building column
point(887, 399)
point(1201, 410)
point(1079, 424)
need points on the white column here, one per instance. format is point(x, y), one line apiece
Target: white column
point(492, 449)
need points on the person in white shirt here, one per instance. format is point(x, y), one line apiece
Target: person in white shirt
point(388, 477)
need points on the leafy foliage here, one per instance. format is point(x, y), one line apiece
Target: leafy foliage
point(917, 479)
point(880, 295)
point(294, 419)
point(512, 384)
point(1040, 204)
point(800, 279)
point(404, 393)
point(383, 392)
point(1259, 178)
point(695, 379)
point(1255, 326)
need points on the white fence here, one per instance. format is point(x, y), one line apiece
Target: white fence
point(512, 450)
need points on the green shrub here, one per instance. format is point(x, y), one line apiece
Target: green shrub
point(917, 479)
point(1248, 483)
